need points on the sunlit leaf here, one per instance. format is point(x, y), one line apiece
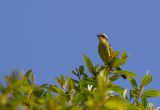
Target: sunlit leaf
point(26, 89)
point(54, 88)
point(74, 73)
point(27, 75)
point(151, 93)
point(121, 72)
point(1, 87)
point(135, 93)
point(81, 69)
point(80, 98)
point(117, 89)
point(62, 78)
point(144, 101)
point(75, 81)
point(84, 75)
point(138, 104)
point(131, 94)
point(6, 76)
point(119, 62)
point(90, 81)
point(115, 54)
point(42, 86)
point(124, 55)
point(117, 103)
point(96, 67)
point(32, 78)
point(48, 95)
point(114, 78)
point(70, 84)
point(38, 92)
point(58, 80)
point(82, 83)
point(132, 81)
point(146, 80)
point(89, 64)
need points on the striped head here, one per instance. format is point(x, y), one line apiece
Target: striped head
point(102, 37)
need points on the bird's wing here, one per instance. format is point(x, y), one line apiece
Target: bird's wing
point(111, 49)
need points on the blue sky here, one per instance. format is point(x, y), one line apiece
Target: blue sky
point(50, 37)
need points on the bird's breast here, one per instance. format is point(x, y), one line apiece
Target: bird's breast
point(104, 53)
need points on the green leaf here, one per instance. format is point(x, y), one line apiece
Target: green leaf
point(32, 78)
point(77, 70)
point(74, 73)
point(75, 81)
point(131, 94)
point(89, 64)
point(27, 75)
point(25, 89)
point(42, 86)
point(58, 80)
point(144, 101)
point(38, 92)
point(146, 80)
point(119, 62)
point(138, 104)
point(6, 76)
point(62, 79)
point(132, 81)
point(81, 69)
point(151, 93)
point(84, 75)
point(54, 88)
point(96, 67)
point(124, 55)
point(48, 95)
point(135, 93)
point(117, 103)
point(82, 83)
point(1, 87)
point(115, 54)
point(105, 72)
point(117, 89)
point(121, 72)
point(81, 97)
point(113, 78)
point(90, 81)
point(70, 84)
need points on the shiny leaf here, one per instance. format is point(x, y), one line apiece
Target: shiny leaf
point(121, 72)
point(132, 81)
point(146, 80)
point(144, 101)
point(151, 93)
point(89, 64)
point(119, 62)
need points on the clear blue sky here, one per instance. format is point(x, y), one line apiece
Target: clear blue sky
point(50, 36)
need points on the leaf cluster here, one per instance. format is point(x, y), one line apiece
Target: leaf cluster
point(82, 93)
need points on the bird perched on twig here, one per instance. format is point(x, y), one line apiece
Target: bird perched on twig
point(105, 50)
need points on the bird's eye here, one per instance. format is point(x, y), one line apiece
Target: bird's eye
point(103, 36)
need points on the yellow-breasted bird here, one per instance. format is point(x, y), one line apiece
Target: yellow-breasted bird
point(105, 50)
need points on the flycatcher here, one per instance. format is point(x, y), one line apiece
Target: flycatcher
point(105, 50)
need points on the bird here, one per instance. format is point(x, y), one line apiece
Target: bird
point(105, 50)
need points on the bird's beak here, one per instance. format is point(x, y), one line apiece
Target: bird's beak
point(98, 36)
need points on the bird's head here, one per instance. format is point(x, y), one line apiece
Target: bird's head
point(102, 37)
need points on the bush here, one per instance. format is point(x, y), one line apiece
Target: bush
point(95, 92)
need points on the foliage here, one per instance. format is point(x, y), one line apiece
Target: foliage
point(96, 92)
